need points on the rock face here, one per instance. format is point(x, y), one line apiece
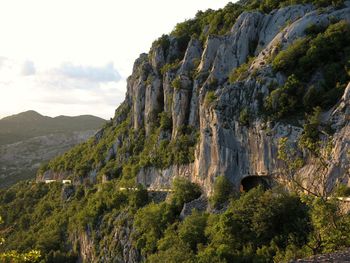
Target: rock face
point(118, 247)
point(225, 146)
point(177, 80)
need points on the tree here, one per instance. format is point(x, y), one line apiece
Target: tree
point(222, 191)
point(184, 191)
point(315, 146)
point(192, 230)
point(16, 257)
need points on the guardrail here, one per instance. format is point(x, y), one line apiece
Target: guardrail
point(150, 189)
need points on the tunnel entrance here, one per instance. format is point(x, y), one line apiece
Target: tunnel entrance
point(250, 182)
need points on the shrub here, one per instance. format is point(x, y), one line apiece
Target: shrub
point(170, 66)
point(342, 191)
point(223, 190)
point(192, 230)
point(287, 59)
point(176, 83)
point(162, 42)
point(165, 121)
point(284, 100)
point(244, 117)
point(184, 191)
point(210, 97)
point(150, 223)
point(240, 73)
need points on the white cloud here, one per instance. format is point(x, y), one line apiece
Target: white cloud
point(66, 89)
point(28, 68)
point(106, 73)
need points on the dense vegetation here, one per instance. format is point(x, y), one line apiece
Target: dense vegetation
point(250, 230)
point(326, 52)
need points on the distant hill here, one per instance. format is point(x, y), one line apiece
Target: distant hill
point(31, 124)
point(28, 139)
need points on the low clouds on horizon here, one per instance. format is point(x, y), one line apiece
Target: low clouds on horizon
point(105, 73)
point(28, 68)
point(67, 89)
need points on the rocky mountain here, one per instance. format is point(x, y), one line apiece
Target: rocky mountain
point(252, 93)
point(29, 139)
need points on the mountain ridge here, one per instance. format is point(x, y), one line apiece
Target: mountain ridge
point(30, 124)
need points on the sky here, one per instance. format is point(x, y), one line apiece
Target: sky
point(72, 57)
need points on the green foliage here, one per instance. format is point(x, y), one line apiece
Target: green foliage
point(15, 257)
point(184, 191)
point(223, 190)
point(170, 67)
point(176, 83)
point(240, 73)
point(150, 223)
point(258, 227)
point(163, 153)
point(326, 51)
point(192, 230)
point(330, 227)
point(283, 101)
point(162, 42)
point(244, 117)
point(172, 249)
point(342, 191)
point(166, 122)
point(249, 231)
point(267, 6)
point(218, 22)
point(287, 60)
point(256, 216)
point(311, 131)
point(210, 97)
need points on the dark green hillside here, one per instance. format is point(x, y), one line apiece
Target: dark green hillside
point(257, 227)
point(31, 124)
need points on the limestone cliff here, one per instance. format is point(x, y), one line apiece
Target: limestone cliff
point(176, 80)
point(226, 147)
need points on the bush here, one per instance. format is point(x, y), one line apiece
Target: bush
point(176, 83)
point(223, 190)
point(326, 51)
point(162, 42)
point(150, 222)
point(342, 191)
point(287, 59)
point(192, 230)
point(284, 100)
point(166, 122)
point(240, 73)
point(244, 117)
point(170, 67)
point(210, 97)
point(184, 191)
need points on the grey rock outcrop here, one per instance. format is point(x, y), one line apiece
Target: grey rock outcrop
point(226, 146)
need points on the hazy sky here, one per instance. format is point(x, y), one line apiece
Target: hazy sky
point(72, 57)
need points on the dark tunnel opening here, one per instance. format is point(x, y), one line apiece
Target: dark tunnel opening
point(250, 182)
